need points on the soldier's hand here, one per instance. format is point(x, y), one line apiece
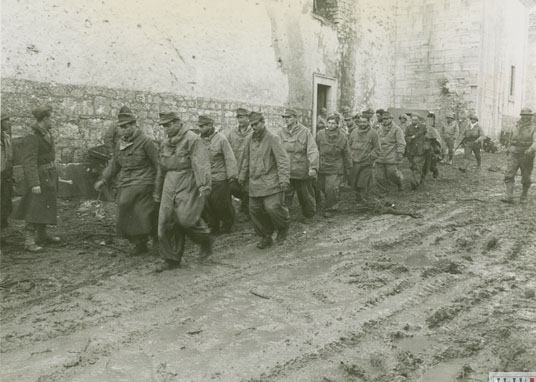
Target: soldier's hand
point(312, 173)
point(36, 190)
point(156, 197)
point(529, 152)
point(204, 193)
point(284, 185)
point(99, 184)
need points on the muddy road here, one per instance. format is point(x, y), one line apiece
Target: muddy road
point(445, 295)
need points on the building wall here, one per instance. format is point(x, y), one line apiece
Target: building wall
point(437, 53)
point(456, 55)
point(504, 44)
point(530, 82)
point(203, 57)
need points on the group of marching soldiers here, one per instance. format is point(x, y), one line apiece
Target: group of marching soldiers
point(184, 187)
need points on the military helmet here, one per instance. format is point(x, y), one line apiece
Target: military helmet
point(526, 111)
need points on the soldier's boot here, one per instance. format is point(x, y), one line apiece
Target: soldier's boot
point(265, 242)
point(29, 242)
point(42, 237)
point(205, 248)
point(523, 198)
point(509, 196)
point(479, 163)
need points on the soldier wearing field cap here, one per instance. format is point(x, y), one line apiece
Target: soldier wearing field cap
point(302, 152)
point(449, 134)
point(38, 205)
point(134, 162)
point(521, 151)
point(473, 137)
point(392, 147)
point(183, 184)
point(219, 212)
point(6, 184)
point(267, 169)
point(237, 137)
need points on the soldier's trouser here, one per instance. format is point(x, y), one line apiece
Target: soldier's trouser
point(519, 161)
point(449, 142)
point(470, 148)
point(385, 173)
point(306, 195)
point(268, 213)
point(417, 165)
point(430, 163)
point(218, 207)
point(361, 178)
point(171, 241)
point(331, 187)
point(6, 190)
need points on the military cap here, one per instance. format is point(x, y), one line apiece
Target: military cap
point(449, 115)
point(431, 114)
point(125, 116)
point(333, 116)
point(347, 116)
point(241, 112)
point(368, 112)
point(289, 112)
point(204, 120)
point(473, 116)
point(168, 117)
point(403, 116)
point(386, 114)
point(526, 111)
point(42, 112)
point(255, 117)
point(380, 111)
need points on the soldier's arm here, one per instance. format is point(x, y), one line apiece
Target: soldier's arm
point(201, 165)
point(281, 159)
point(312, 152)
point(231, 165)
point(112, 168)
point(151, 149)
point(29, 161)
point(376, 148)
point(401, 142)
point(244, 162)
point(346, 157)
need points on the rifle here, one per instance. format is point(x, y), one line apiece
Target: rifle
point(461, 143)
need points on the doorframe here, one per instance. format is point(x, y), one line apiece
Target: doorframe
point(331, 98)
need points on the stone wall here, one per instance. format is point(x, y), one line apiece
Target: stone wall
point(82, 114)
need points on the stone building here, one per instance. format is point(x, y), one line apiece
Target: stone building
point(87, 59)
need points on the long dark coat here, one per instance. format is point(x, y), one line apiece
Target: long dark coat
point(38, 157)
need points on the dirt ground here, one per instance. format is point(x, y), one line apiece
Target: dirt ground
point(445, 295)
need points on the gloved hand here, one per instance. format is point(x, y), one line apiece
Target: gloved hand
point(235, 188)
point(312, 173)
point(99, 184)
point(36, 190)
point(284, 185)
point(204, 193)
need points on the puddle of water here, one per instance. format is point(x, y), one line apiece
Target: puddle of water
point(444, 372)
point(415, 344)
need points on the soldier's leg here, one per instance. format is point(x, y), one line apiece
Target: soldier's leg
point(278, 213)
point(380, 174)
point(332, 190)
point(200, 234)
point(210, 213)
point(365, 181)
point(222, 206)
point(476, 150)
point(42, 237)
point(395, 176)
point(30, 235)
point(259, 217)
point(512, 165)
point(416, 167)
point(305, 191)
point(450, 147)
point(6, 190)
point(171, 237)
point(526, 164)
point(289, 193)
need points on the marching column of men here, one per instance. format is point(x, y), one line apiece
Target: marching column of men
point(183, 188)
